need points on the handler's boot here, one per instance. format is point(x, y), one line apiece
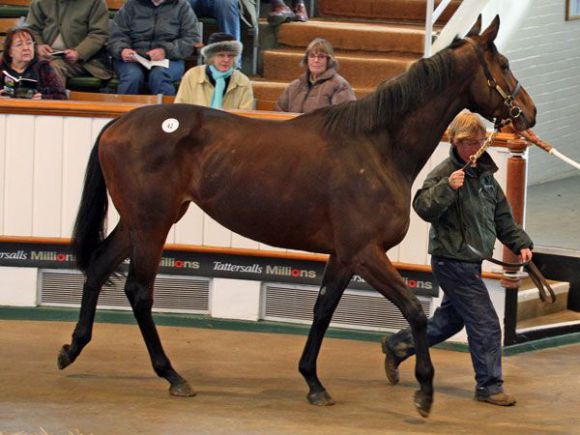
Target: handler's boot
point(391, 361)
point(500, 399)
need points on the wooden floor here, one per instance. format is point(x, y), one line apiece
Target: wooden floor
point(248, 383)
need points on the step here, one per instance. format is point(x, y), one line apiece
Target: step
point(560, 318)
point(269, 90)
point(267, 93)
point(390, 10)
point(345, 35)
point(530, 305)
point(362, 70)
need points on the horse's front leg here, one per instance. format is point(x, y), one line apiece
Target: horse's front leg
point(336, 278)
point(378, 271)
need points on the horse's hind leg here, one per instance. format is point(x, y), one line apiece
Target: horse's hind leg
point(107, 257)
point(336, 278)
point(139, 290)
point(378, 271)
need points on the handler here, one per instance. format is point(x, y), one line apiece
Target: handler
point(466, 208)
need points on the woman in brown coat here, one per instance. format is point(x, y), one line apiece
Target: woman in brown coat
point(320, 86)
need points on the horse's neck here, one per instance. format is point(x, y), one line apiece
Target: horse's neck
point(424, 127)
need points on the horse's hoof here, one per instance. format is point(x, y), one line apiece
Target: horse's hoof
point(63, 360)
point(423, 403)
point(181, 389)
point(320, 398)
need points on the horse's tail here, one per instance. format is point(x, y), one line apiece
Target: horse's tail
point(89, 229)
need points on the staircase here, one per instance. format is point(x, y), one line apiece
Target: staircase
point(532, 312)
point(535, 318)
point(374, 40)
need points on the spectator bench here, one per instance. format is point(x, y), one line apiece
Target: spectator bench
point(11, 12)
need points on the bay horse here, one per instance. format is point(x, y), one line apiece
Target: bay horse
point(334, 181)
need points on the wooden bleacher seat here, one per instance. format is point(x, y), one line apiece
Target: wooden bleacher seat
point(115, 98)
point(6, 24)
point(7, 11)
point(115, 5)
point(265, 105)
point(16, 2)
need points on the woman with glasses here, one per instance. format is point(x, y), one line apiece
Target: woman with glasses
point(467, 210)
point(22, 74)
point(218, 83)
point(320, 85)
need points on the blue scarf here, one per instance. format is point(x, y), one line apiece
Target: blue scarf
point(220, 85)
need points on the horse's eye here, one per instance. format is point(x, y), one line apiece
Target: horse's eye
point(505, 66)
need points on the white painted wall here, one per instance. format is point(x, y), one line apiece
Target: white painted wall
point(235, 299)
point(545, 56)
point(18, 286)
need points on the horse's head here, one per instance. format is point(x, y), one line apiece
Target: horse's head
point(495, 92)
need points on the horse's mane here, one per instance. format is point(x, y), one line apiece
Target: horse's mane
point(394, 97)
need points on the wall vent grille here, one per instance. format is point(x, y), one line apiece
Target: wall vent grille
point(172, 294)
point(358, 309)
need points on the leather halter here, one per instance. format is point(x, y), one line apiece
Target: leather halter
point(508, 99)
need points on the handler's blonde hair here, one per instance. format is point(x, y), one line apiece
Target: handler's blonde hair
point(466, 124)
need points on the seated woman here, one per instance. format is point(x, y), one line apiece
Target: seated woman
point(217, 84)
point(23, 75)
point(320, 86)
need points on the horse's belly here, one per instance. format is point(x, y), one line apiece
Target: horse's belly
point(277, 225)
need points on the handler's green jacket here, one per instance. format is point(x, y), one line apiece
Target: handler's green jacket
point(476, 214)
point(83, 25)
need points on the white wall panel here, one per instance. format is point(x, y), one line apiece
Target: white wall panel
point(48, 157)
point(215, 234)
point(413, 248)
point(19, 175)
point(266, 247)
point(18, 286)
point(77, 144)
point(243, 242)
point(189, 230)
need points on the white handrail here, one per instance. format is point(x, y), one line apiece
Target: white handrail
point(512, 14)
point(431, 17)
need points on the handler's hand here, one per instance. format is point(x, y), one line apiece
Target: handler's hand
point(526, 255)
point(456, 179)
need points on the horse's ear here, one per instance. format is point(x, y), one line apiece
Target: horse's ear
point(489, 34)
point(474, 31)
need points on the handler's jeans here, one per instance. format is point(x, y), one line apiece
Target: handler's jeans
point(466, 302)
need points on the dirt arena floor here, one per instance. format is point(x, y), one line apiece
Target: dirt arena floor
point(248, 383)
